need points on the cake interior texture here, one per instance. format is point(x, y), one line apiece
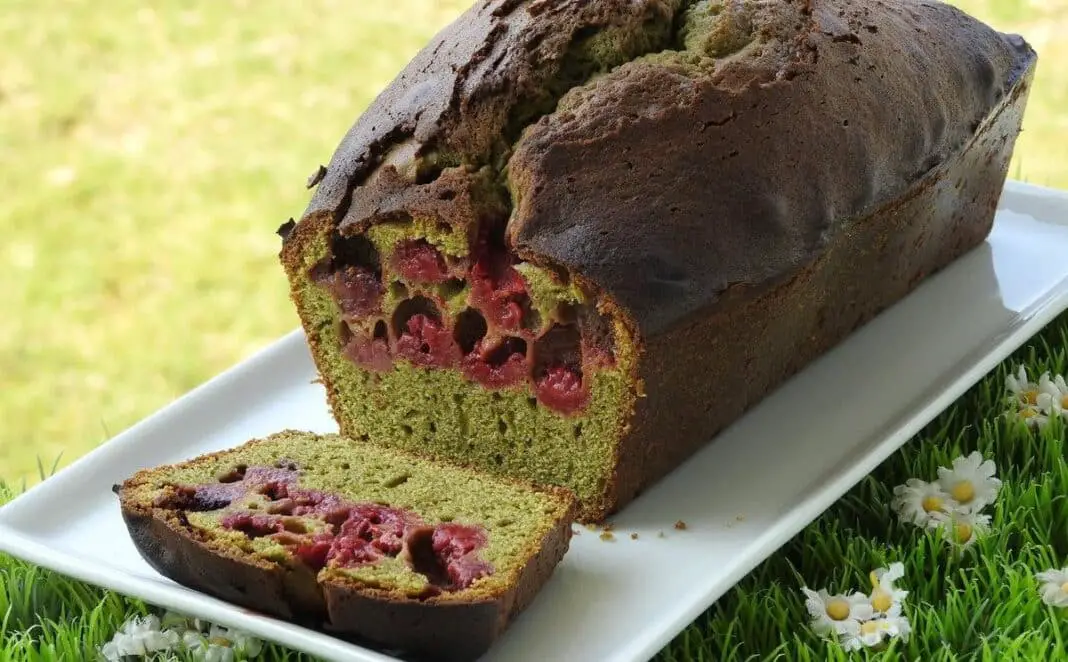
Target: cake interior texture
point(357, 516)
point(551, 249)
point(450, 344)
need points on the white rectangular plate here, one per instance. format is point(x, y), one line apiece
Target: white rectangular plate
point(742, 497)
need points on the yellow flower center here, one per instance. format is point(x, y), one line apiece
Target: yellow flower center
point(931, 504)
point(871, 627)
point(881, 601)
point(1030, 397)
point(219, 641)
point(1064, 402)
point(963, 532)
point(1028, 413)
point(838, 609)
point(963, 491)
point(1064, 587)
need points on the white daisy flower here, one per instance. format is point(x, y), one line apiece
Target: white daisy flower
point(970, 483)
point(1033, 416)
point(240, 641)
point(874, 633)
point(139, 636)
point(221, 644)
point(1053, 395)
point(1027, 398)
point(1054, 587)
point(917, 499)
point(839, 614)
point(177, 621)
point(961, 528)
point(885, 598)
point(204, 649)
point(1022, 391)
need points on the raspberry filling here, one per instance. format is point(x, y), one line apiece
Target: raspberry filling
point(357, 291)
point(425, 342)
point(325, 530)
point(497, 340)
point(371, 353)
point(499, 292)
point(500, 367)
point(419, 262)
point(456, 545)
point(561, 388)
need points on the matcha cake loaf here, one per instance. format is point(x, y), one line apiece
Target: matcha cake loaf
point(576, 239)
point(363, 542)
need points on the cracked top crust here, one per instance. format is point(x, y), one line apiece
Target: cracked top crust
point(461, 96)
point(697, 146)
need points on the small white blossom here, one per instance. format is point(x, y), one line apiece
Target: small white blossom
point(217, 653)
point(139, 636)
point(858, 621)
point(221, 644)
point(838, 614)
point(917, 499)
point(1030, 402)
point(240, 641)
point(1053, 396)
point(874, 633)
point(962, 528)
point(1054, 587)
point(970, 483)
point(886, 599)
point(204, 650)
point(1034, 416)
point(180, 622)
point(1021, 390)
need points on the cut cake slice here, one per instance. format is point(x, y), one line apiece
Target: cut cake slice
point(369, 544)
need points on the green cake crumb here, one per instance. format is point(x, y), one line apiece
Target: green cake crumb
point(391, 574)
point(450, 241)
point(546, 292)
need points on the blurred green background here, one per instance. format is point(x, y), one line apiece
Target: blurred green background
point(148, 151)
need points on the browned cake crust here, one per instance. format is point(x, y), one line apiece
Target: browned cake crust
point(435, 628)
point(429, 630)
point(743, 215)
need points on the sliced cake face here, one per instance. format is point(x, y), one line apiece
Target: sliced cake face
point(362, 517)
point(437, 338)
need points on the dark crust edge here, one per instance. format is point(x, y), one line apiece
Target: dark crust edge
point(435, 629)
point(179, 557)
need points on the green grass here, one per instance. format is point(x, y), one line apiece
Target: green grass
point(150, 150)
point(148, 158)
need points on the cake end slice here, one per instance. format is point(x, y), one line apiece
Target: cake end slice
point(371, 545)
